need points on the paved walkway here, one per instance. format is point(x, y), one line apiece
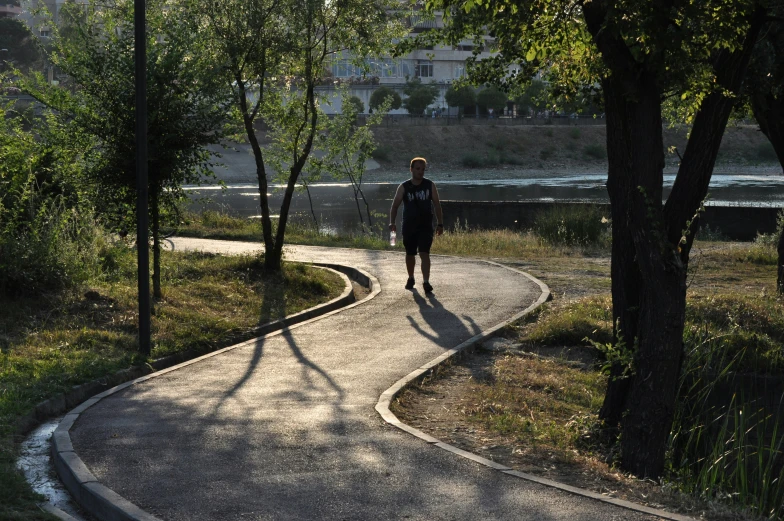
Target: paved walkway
point(286, 428)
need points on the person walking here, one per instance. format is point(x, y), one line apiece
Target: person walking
point(419, 197)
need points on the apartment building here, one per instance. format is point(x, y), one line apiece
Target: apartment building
point(9, 9)
point(440, 65)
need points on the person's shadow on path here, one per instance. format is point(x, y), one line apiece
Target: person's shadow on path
point(449, 329)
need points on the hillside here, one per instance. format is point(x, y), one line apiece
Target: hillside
point(545, 147)
point(490, 152)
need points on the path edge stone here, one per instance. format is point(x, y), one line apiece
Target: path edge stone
point(427, 369)
point(103, 503)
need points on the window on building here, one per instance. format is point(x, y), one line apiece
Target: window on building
point(459, 71)
point(345, 69)
point(45, 33)
point(424, 69)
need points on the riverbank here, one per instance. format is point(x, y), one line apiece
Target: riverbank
point(487, 153)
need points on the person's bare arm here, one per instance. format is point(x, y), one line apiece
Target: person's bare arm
point(395, 204)
point(439, 212)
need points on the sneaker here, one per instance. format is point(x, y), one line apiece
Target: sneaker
point(427, 287)
point(410, 284)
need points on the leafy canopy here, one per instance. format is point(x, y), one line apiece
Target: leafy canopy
point(420, 95)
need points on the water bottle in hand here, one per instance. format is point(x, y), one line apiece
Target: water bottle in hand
point(392, 238)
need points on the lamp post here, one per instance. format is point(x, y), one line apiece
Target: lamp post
point(142, 249)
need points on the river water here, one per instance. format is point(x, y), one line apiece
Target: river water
point(336, 209)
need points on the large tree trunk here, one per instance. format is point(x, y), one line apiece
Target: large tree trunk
point(652, 288)
point(625, 274)
point(769, 113)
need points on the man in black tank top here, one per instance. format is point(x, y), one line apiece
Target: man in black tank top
point(419, 197)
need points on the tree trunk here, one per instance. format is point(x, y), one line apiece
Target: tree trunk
point(156, 243)
point(274, 257)
point(649, 271)
point(248, 117)
point(312, 211)
point(367, 208)
point(649, 281)
point(769, 113)
point(625, 274)
point(359, 210)
point(691, 183)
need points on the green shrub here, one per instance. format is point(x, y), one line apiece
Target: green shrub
point(472, 160)
point(509, 159)
point(575, 133)
point(595, 151)
point(577, 224)
point(55, 249)
point(546, 153)
point(766, 152)
point(381, 153)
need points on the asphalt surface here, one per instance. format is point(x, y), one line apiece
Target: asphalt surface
point(286, 428)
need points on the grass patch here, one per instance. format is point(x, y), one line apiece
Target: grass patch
point(460, 240)
point(726, 441)
point(53, 342)
point(572, 225)
point(541, 403)
point(575, 133)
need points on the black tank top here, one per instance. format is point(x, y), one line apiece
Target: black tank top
point(417, 205)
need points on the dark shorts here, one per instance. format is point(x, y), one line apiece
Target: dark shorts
point(418, 241)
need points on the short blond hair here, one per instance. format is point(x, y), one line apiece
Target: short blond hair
point(417, 159)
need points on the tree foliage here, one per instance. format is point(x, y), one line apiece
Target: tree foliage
point(275, 53)
point(186, 106)
point(23, 51)
point(491, 98)
point(460, 96)
point(47, 238)
point(381, 94)
point(357, 107)
point(420, 95)
point(346, 147)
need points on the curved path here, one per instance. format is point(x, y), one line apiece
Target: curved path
point(285, 427)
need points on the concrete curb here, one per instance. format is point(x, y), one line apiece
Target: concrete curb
point(384, 401)
point(107, 505)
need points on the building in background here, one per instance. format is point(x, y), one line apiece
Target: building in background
point(440, 65)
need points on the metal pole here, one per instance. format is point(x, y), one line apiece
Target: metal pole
point(142, 249)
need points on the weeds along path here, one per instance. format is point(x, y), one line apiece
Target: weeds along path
point(285, 428)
